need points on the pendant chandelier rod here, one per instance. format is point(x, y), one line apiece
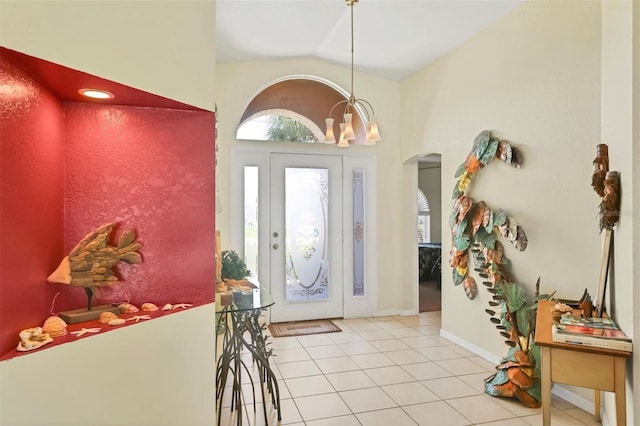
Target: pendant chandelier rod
point(352, 98)
point(360, 106)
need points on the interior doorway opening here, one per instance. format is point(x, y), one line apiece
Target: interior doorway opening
point(429, 233)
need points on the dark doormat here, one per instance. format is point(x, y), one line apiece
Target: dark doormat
point(302, 328)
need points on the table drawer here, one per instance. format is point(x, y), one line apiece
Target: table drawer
point(582, 369)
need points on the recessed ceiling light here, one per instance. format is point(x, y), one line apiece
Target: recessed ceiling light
point(96, 94)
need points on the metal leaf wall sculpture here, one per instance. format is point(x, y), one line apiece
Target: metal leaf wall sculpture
point(474, 229)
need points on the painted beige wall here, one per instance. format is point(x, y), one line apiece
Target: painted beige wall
point(238, 83)
point(167, 48)
point(152, 373)
point(533, 78)
point(620, 106)
point(156, 372)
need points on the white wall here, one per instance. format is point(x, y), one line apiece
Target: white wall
point(238, 83)
point(161, 372)
point(533, 78)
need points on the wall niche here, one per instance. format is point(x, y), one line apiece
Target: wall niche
point(69, 164)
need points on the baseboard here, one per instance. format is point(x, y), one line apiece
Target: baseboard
point(557, 389)
point(387, 313)
point(471, 347)
point(572, 397)
point(396, 312)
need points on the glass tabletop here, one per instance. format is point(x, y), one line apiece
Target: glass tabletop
point(237, 300)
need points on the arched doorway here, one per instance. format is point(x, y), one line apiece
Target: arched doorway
point(428, 199)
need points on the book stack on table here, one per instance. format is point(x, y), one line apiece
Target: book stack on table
point(594, 332)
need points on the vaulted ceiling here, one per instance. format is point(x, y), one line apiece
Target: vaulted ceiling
point(393, 38)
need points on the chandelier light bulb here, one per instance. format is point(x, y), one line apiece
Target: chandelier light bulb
point(329, 137)
point(373, 135)
point(342, 143)
point(348, 127)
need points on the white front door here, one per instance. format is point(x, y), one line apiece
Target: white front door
point(306, 237)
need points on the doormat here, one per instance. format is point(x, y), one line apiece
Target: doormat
point(302, 328)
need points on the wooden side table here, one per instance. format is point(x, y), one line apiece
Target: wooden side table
point(578, 365)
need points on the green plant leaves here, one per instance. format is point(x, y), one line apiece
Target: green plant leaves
point(460, 171)
point(233, 267)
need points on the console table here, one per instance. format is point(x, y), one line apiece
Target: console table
point(578, 365)
point(243, 331)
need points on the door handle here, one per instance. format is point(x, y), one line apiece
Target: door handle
point(275, 246)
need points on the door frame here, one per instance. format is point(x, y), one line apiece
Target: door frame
point(332, 304)
point(257, 154)
point(410, 227)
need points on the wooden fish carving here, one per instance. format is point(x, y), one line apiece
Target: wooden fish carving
point(90, 264)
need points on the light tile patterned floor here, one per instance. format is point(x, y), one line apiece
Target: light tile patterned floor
point(390, 371)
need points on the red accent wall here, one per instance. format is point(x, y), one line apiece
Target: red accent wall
point(151, 169)
point(67, 167)
point(31, 237)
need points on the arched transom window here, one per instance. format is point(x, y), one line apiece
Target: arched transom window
point(294, 110)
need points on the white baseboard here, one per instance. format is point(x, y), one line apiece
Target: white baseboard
point(470, 347)
point(572, 397)
point(387, 313)
point(396, 312)
point(557, 389)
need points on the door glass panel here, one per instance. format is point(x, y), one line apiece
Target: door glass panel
point(358, 232)
point(306, 209)
point(251, 219)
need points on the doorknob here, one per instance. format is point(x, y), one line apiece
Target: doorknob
point(275, 246)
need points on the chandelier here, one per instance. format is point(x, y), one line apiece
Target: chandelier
point(346, 128)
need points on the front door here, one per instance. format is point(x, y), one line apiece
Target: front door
point(306, 237)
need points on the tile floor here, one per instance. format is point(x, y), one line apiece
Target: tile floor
point(390, 371)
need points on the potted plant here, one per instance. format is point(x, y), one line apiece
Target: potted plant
point(233, 267)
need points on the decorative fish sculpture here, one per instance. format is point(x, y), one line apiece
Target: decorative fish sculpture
point(90, 264)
